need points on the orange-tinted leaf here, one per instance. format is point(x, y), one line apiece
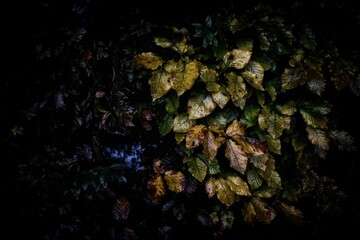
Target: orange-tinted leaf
point(235, 128)
point(121, 209)
point(195, 136)
point(156, 188)
point(251, 145)
point(175, 180)
point(236, 155)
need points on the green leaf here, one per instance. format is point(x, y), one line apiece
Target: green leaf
point(223, 192)
point(217, 119)
point(185, 80)
point(156, 188)
point(266, 62)
point(292, 78)
point(288, 108)
point(166, 124)
point(213, 166)
point(298, 142)
point(254, 179)
point(251, 113)
point(200, 105)
point(263, 118)
point(237, 156)
point(248, 213)
point(273, 88)
point(245, 44)
point(221, 97)
point(274, 145)
point(238, 186)
point(275, 125)
point(175, 180)
point(264, 41)
point(197, 168)
point(274, 180)
point(314, 119)
point(213, 87)
point(254, 74)
point(237, 58)
point(182, 123)
point(236, 86)
point(148, 60)
point(292, 213)
point(264, 192)
point(263, 212)
point(172, 103)
point(159, 83)
point(195, 136)
point(318, 137)
point(260, 97)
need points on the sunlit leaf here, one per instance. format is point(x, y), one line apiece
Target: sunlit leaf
point(182, 123)
point(248, 213)
point(159, 83)
point(237, 156)
point(197, 168)
point(264, 192)
point(237, 58)
point(318, 137)
point(235, 128)
point(292, 213)
point(210, 187)
point(253, 179)
point(221, 97)
point(292, 78)
point(314, 119)
point(121, 209)
point(254, 74)
point(263, 212)
point(148, 60)
point(238, 186)
point(172, 103)
point(236, 86)
point(156, 188)
point(186, 79)
point(213, 87)
point(288, 108)
point(211, 145)
point(166, 124)
point(175, 181)
point(163, 42)
point(208, 75)
point(223, 192)
point(200, 105)
point(195, 136)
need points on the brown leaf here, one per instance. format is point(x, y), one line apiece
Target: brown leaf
point(236, 155)
point(235, 128)
point(156, 188)
point(195, 136)
point(121, 209)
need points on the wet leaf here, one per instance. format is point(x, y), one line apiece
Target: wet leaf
point(236, 86)
point(318, 137)
point(200, 105)
point(253, 179)
point(182, 123)
point(248, 213)
point(237, 58)
point(186, 79)
point(175, 180)
point(121, 209)
point(159, 83)
point(237, 156)
point(166, 124)
point(223, 192)
point(292, 213)
point(156, 188)
point(197, 168)
point(238, 186)
point(195, 136)
point(148, 60)
point(235, 128)
point(221, 97)
point(254, 74)
point(211, 145)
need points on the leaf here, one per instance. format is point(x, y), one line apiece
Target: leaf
point(191, 184)
point(182, 123)
point(223, 192)
point(157, 168)
point(259, 161)
point(148, 60)
point(213, 87)
point(260, 97)
point(213, 166)
point(245, 43)
point(275, 125)
point(179, 137)
point(200, 105)
point(221, 97)
point(274, 145)
point(237, 156)
point(274, 180)
point(263, 212)
point(265, 192)
point(263, 118)
point(211, 145)
point(343, 139)
point(159, 84)
point(316, 82)
point(292, 213)
point(254, 74)
point(238, 186)
point(163, 42)
point(175, 180)
point(251, 112)
point(121, 209)
point(307, 38)
point(184, 81)
point(197, 168)
point(251, 145)
point(172, 103)
point(253, 179)
point(288, 108)
point(313, 119)
point(166, 124)
point(236, 86)
point(195, 136)
point(292, 78)
point(156, 188)
point(273, 88)
point(318, 137)
point(248, 213)
point(298, 142)
point(218, 119)
point(237, 58)
point(210, 187)
point(226, 219)
point(235, 128)
point(208, 75)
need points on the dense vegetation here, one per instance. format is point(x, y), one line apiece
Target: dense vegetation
point(221, 122)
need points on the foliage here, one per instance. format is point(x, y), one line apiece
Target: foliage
point(136, 129)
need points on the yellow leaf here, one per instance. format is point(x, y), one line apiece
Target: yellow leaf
point(210, 145)
point(200, 105)
point(221, 97)
point(208, 75)
point(148, 60)
point(254, 74)
point(223, 192)
point(175, 180)
point(186, 79)
point(159, 83)
point(237, 58)
point(235, 128)
point(236, 86)
point(179, 137)
point(248, 213)
point(156, 187)
point(251, 145)
point(238, 186)
point(195, 136)
point(236, 155)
